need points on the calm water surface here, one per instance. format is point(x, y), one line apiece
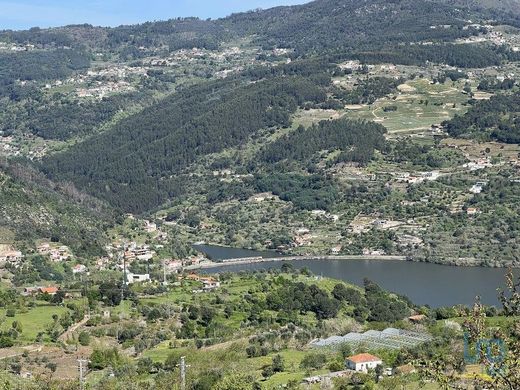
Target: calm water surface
point(424, 283)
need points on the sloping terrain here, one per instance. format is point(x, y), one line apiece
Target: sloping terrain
point(31, 208)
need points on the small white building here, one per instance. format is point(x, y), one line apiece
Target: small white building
point(363, 362)
point(210, 284)
point(79, 269)
point(150, 227)
point(137, 278)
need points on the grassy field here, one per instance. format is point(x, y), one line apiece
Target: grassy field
point(232, 356)
point(33, 321)
point(419, 106)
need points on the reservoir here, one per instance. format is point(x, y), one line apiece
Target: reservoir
point(424, 283)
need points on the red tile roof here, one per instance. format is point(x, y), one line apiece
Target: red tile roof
point(364, 358)
point(49, 290)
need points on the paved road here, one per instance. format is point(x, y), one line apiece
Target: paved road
point(252, 260)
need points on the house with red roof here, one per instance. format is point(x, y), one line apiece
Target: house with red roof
point(363, 362)
point(48, 290)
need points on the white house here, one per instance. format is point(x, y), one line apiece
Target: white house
point(210, 284)
point(79, 269)
point(363, 362)
point(137, 278)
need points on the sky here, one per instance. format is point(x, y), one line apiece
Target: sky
point(23, 14)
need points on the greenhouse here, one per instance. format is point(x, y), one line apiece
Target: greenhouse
point(390, 338)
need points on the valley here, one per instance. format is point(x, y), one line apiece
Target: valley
point(227, 193)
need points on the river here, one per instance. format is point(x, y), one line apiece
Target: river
point(424, 283)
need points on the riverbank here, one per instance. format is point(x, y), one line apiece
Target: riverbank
point(256, 260)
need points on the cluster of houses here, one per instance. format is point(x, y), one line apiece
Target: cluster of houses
point(104, 88)
point(56, 253)
point(324, 214)
point(193, 55)
point(8, 147)
point(208, 283)
point(411, 178)
point(14, 47)
point(140, 252)
point(302, 237)
point(30, 291)
point(10, 256)
point(479, 164)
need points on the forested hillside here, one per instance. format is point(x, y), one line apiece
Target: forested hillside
point(32, 208)
point(38, 66)
point(326, 111)
point(132, 164)
point(497, 119)
point(357, 140)
point(66, 119)
point(338, 26)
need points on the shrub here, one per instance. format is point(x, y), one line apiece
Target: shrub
point(314, 361)
point(84, 338)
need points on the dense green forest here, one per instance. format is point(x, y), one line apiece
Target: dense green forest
point(41, 65)
point(37, 66)
point(369, 90)
point(325, 26)
point(65, 119)
point(312, 192)
point(37, 36)
point(357, 141)
point(328, 25)
point(130, 164)
point(463, 56)
point(497, 118)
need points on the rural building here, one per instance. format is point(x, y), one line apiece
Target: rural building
point(79, 269)
point(48, 290)
point(406, 369)
point(336, 250)
point(209, 283)
point(11, 256)
point(137, 278)
point(150, 227)
point(472, 211)
point(363, 362)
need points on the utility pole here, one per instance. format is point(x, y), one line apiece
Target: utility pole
point(123, 288)
point(82, 371)
point(164, 272)
point(183, 367)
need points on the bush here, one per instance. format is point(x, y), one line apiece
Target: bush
point(101, 359)
point(84, 338)
point(314, 361)
point(6, 342)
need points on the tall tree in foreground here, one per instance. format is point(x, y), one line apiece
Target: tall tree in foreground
point(498, 351)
